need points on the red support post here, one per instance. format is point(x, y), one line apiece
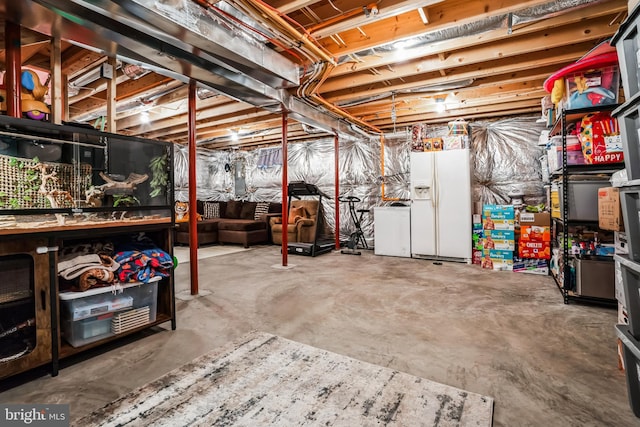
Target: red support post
point(285, 191)
point(336, 153)
point(193, 204)
point(13, 65)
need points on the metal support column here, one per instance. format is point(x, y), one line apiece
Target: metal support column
point(13, 62)
point(193, 204)
point(336, 153)
point(285, 190)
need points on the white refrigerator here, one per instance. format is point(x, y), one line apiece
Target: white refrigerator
point(441, 208)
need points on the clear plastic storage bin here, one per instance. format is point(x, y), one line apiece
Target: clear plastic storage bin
point(627, 44)
point(630, 199)
point(88, 316)
point(628, 116)
point(582, 199)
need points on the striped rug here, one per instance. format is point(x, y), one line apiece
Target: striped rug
point(266, 380)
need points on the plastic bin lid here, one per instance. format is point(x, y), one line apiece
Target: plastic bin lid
point(66, 296)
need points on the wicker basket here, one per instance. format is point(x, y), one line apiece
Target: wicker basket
point(74, 179)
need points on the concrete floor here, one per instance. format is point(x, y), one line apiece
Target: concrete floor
point(501, 334)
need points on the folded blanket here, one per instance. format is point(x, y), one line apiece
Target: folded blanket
point(96, 278)
point(143, 265)
point(76, 266)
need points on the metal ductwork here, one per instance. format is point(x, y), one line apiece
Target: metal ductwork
point(139, 33)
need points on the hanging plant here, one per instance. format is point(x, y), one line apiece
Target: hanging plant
point(160, 176)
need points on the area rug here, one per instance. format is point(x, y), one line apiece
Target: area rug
point(182, 253)
point(267, 380)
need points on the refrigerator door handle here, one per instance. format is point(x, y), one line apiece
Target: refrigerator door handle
point(434, 183)
point(434, 200)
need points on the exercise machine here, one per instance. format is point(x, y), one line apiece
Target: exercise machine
point(319, 246)
point(356, 239)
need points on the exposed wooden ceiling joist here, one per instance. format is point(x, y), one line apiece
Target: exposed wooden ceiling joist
point(492, 73)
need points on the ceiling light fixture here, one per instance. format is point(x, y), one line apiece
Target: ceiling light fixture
point(144, 117)
point(234, 135)
point(423, 15)
point(441, 106)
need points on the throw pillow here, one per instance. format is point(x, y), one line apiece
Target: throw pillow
point(233, 209)
point(262, 208)
point(248, 210)
point(295, 213)
point(211, 210)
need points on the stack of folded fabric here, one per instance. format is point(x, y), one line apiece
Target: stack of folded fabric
point(84, 267)
point(141, 260)
point(143, 265)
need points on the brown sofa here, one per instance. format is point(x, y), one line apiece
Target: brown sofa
point(236, 222)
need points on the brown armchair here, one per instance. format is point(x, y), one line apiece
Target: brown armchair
point(303, 220)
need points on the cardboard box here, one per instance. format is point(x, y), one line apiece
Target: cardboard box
point(609, 209)
point(542, 219)
point(498, 217)
point(499, 239)
point(477, 233)
point(476, 257)
point(497, 259)
point(535, 250)
point(531, 266)
point(535, 233)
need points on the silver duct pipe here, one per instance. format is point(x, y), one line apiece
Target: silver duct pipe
point(531, 14)
point(202, 30)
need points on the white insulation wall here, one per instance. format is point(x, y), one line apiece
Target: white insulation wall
point(505, 159)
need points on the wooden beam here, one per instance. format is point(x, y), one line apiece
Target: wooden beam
point(161, 126)
point(112, 94)
point(363, 16)
point(449, 14)
point(508, 68)
point(249, 120)
point(382, 58)
point(417, 100)
point(57, 81)
point(76, 61)
point(127, 89)
point(286, 7)
point(529, 45)
point(503, 109)
point(223, 131)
